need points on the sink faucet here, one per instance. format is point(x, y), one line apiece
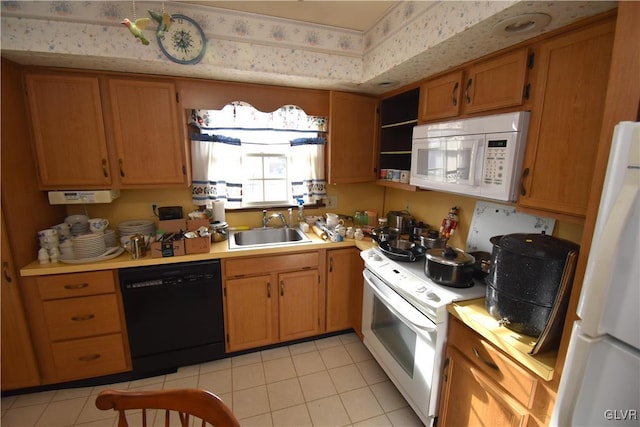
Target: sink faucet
point(265, 219)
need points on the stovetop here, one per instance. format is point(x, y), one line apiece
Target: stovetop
point(410, 281)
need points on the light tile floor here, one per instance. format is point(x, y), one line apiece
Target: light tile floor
point(327, 382)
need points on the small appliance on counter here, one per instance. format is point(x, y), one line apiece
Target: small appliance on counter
point(528, 281)
point(169, 212)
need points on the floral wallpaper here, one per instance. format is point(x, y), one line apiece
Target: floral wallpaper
point(414, 40)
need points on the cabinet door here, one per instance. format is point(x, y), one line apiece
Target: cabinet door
point(298, 305)
point(250, 309)
point(352, 148)
point(150, 147)
point(68, 131)
point(339, 288)
point(19, 368)
point(440, 97)
point(496, 83)
point(565, 121)
point(469, 398)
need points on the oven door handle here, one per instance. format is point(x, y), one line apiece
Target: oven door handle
point(411, 314)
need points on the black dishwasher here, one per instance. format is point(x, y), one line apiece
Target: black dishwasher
point(173, 314)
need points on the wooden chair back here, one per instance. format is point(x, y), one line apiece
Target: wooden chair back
point(184, 405)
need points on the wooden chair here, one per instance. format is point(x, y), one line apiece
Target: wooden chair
point(187, 405)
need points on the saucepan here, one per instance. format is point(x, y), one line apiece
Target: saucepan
point(450, 267)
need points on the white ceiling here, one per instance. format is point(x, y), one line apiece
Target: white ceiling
point(352, 15)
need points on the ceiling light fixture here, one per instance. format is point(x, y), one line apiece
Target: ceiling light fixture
point(521, 24)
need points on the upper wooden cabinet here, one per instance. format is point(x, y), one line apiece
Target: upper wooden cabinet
point(147, 133)
point(352, 147)
point(566, 117)
point(440, 97)
point(68, 131)
point(495, 83)
point(93, 131)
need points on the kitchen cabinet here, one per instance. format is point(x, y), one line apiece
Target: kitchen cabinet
point(285, 304)
point(491, 84)
point(19, 367)
point(78, 325)
point(483, 386)
point(352, 148)
point(398, 116)
point(68, 130)
point(340, 288)
point(146, 133)
point(564, 129)
point(95, 131)
point(440, 96)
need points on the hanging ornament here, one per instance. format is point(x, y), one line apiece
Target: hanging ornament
point(163, 19)
point(137, 25)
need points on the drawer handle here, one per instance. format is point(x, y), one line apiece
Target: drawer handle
point(76, 286)
point(83, 318)
point(89, 357)
point(486, 362)
point(454, 95)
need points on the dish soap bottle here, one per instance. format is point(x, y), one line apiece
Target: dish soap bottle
point(302, 223)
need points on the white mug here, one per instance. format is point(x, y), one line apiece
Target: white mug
point(98, 225)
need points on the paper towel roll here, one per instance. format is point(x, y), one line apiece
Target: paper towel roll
point(218, 211)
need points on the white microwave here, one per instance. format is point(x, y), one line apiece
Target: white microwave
point(478, 157)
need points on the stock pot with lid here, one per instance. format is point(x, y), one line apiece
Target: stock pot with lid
point(450, 267)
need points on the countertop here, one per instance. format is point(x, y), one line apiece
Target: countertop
point(473, 314)
point(218, 250)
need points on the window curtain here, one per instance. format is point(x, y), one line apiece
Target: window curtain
point(217, 150)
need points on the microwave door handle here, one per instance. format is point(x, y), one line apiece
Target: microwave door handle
point(412, 316)
point(477, 158)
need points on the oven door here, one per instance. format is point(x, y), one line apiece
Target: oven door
point(405, 343)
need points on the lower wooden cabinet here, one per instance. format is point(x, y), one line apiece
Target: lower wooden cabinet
point(483, 386)
point(283, 305)
point(344, 290)
point(78, 325)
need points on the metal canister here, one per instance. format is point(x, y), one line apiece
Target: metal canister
point(138, 246)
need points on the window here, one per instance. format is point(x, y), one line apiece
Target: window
point(253, 159)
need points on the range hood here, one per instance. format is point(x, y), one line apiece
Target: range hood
point(82, 197)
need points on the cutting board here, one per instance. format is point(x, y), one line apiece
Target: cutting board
point(494, 219)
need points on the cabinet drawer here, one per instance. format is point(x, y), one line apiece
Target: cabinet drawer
point(248, 266)
point(76, 284)
point(493, 363)
point(89, 357)
point(82, 317)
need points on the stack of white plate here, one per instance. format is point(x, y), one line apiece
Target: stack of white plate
point(127, 229)
point(109, 238)
point(79, 224)
point(88, 245)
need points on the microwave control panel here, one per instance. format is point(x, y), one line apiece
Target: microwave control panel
point(495, 161)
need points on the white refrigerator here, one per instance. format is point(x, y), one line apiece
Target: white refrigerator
point(600, 384)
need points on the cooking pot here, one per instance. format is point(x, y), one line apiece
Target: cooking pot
point(450, 267)
point(401, 220)
point(482, 265)
point(526, 273)
point(431, 239)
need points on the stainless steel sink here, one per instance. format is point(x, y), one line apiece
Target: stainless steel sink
point(265, 237)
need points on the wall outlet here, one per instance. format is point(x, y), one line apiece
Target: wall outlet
point(332, 202)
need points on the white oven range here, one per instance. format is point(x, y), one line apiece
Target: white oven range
point(404, 323)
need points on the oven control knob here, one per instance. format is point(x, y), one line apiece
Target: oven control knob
point(421, 289)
